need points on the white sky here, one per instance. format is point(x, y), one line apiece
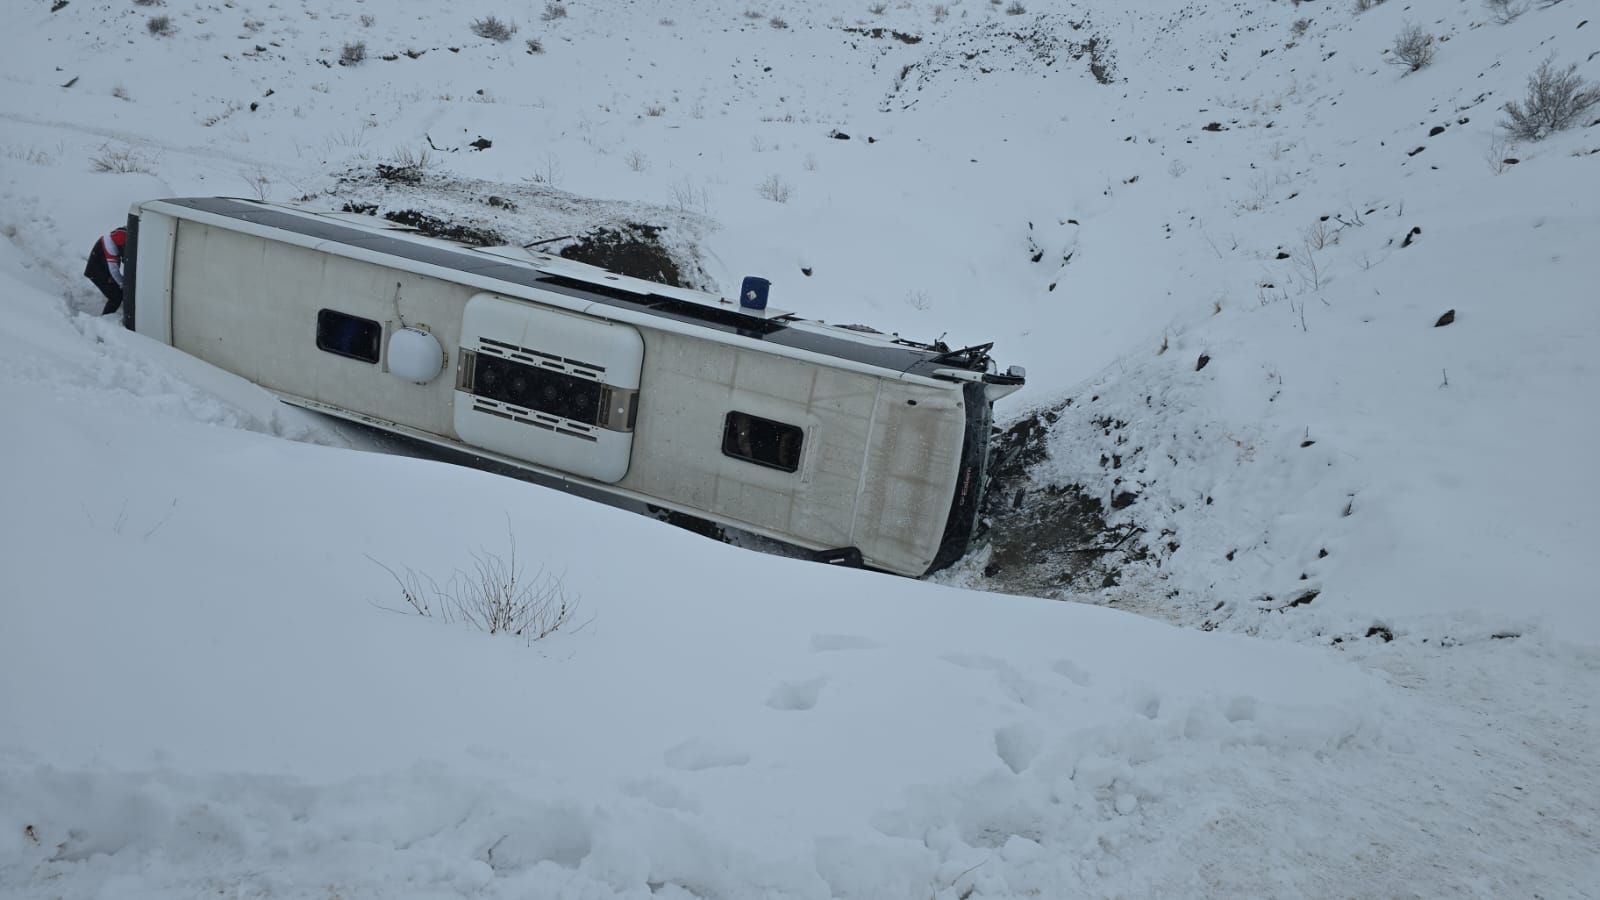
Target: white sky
point(207, 684)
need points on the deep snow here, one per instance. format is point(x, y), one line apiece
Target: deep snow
point(208, 684)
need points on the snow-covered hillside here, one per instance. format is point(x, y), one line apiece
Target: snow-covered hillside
point(1352, 644)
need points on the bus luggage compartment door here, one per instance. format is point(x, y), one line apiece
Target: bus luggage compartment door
point(549, 387)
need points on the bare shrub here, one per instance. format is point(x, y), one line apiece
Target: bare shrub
point(160, 26)
point(878, 9)
point(1015, 9)
point(1300, 27)
point(691, 197)
point(549, 172)
point(535, 45)
point(636, 160)
point(497, 596)
point(422, 159)
point(778, 22)
point(1320, 235)
point(260, 182)
point(554, 11)
point(28, 155)
point(122, 160)
point(1504, 12)
point(1501, 153)
point(775, 189)
point(368, 20)
point(941, 11)
point(406, 167)
point(655, 110)
point(353, 54)
point(1556, 98)
point(149, 2)
point(1364, 5)
point(493, 29)
point(1413, 48)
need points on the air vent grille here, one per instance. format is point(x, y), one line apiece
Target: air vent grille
point(538, 419)
point(529, 357)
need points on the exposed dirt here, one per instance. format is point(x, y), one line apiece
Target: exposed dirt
point(1046, 538)
point(633, 249)
point(436, 227)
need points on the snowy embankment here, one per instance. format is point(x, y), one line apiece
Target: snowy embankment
point(229, 683)
point(210, 684)
point(227, 694)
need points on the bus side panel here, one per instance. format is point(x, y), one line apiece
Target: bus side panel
point(689, 387)
point(250, 305)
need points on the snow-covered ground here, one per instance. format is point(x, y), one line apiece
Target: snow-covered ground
point(1367, 643)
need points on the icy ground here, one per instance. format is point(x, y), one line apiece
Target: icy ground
point(1219, 236)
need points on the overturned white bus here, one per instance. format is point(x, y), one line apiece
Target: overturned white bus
point(862, 448)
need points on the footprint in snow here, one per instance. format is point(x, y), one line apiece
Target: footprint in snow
point(979, 662)
point(1240, 709)
point(1014, 683)
point(821, 643)
point(1074, 673)
point(796, 695)
point(662, 793)
point(1018, 746)
point(696, 754)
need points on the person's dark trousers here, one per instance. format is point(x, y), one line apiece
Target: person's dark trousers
point(99, 272)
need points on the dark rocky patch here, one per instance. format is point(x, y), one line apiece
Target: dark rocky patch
point(400, 174)
point(1047, 538)
point(1302, 599)
point(439, 228)
point(634, 249)
point(880, 33)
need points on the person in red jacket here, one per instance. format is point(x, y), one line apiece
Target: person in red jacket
point(105, 267)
